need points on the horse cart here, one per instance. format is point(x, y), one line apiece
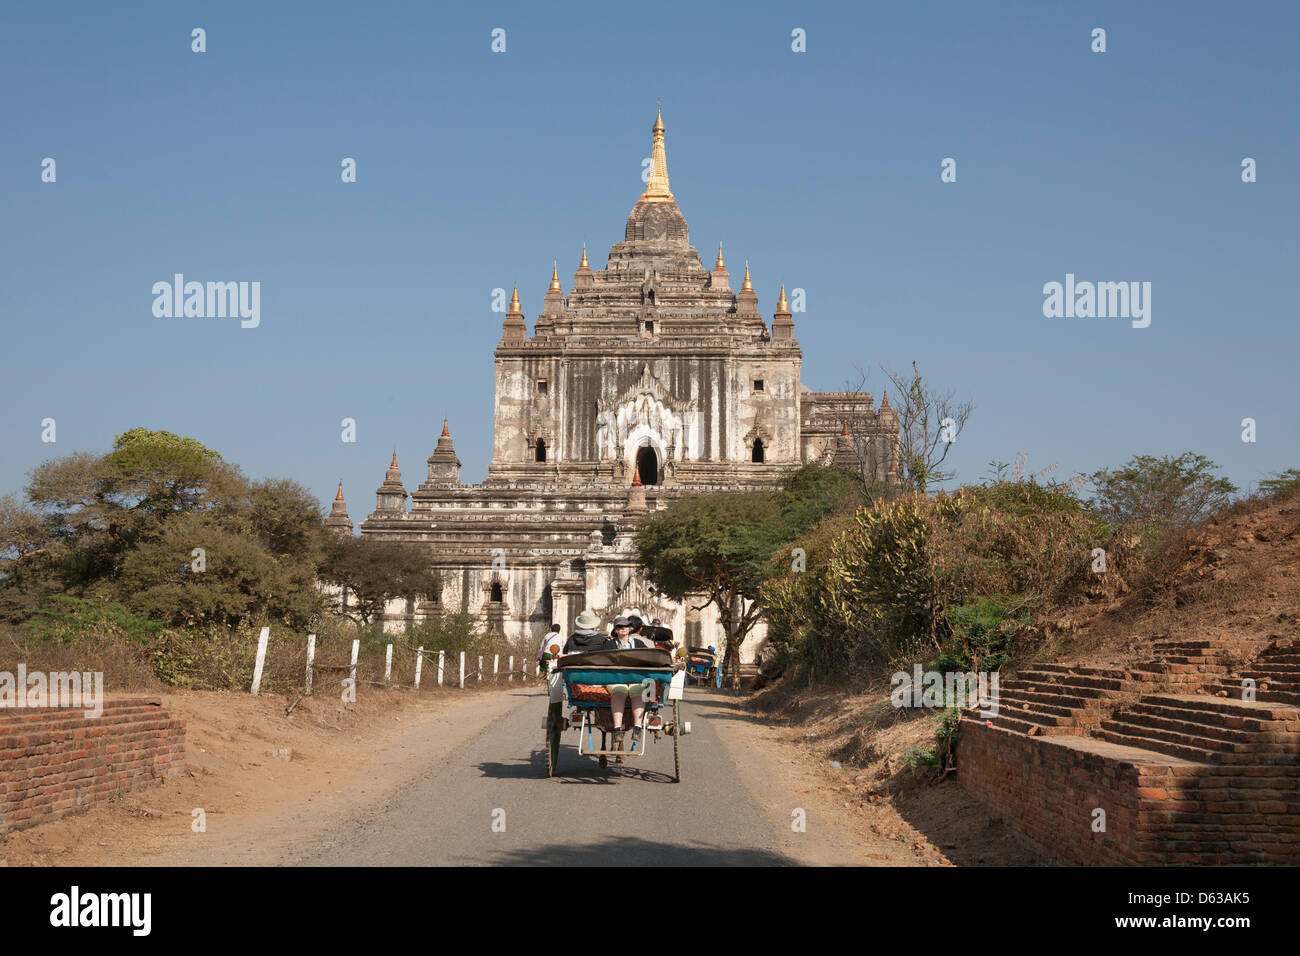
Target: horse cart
point(702, 666)
point(586, 684)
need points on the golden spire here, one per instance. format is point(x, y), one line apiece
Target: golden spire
point(746, 285)
point(656, 188)
point(555, 278)
point(515, 307)
point(583, 264)
point(719, 264)
point(445, 432)
point(339, 496)
point(781, 304)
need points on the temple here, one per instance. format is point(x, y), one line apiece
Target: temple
point(651, 378)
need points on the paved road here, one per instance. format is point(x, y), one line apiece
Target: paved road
point(590, 816)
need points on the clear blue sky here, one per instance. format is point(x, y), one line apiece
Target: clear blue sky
point(477, 169)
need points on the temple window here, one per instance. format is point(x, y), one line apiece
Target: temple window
point(758, 451)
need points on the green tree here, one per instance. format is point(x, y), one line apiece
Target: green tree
point(123, 526)
point(1282, 483)
point(1160, 494)
point(234, 579)
point(376, 572)
point(716, 545)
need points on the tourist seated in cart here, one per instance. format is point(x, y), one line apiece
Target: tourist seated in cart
point(624, 696)
point(585, 637)
point(640, 637)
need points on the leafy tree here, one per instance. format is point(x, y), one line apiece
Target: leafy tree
point(1160, 494)
point(718, 545)
point(122, 527)
point(284, 516)
point(814, 491)
point(239, 578)
point(376, 572)
point(724, 545)
point(1282, 483)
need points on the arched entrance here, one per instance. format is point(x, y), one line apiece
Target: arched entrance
point(647, 463)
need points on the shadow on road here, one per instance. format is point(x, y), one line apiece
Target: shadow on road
point(719, 705)
point(632, 851)
point(573, 769)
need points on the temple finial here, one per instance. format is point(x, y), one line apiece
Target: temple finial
point(445, 432)
point(746, 285)
point(339, 496)
point(719, 264)
point(656, 187)
point(393, 464)
point(555, 277)
point(636, 475)
point(515, 308)
point(884, 400)
point(781, 305)
point(583, 264)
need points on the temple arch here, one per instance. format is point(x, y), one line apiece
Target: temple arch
point(647, 464)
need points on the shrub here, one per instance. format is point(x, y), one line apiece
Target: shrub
point(73, 620)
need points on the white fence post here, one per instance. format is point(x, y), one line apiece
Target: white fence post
point(261, 659)
point(511, 672)
point(311, 658)
point(356, 647)
point(462, 670)
point(388, 664)
point(440, 656)
point(480, 670)
point(419, 664)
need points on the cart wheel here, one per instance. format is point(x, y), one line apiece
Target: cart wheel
point(553, 718)
point(677, 736)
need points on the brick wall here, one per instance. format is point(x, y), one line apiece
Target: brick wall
point(56, 760)
point(1159, 809)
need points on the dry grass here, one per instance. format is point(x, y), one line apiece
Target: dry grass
point(858, 727)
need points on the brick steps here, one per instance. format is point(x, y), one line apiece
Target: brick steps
point(1241, 708)
point(1027, 725)
point(1117, 684)
point(1057, 704)
point(1273, 692)
point(1196, 778)
point(1205, 645)
point(1179, 721)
